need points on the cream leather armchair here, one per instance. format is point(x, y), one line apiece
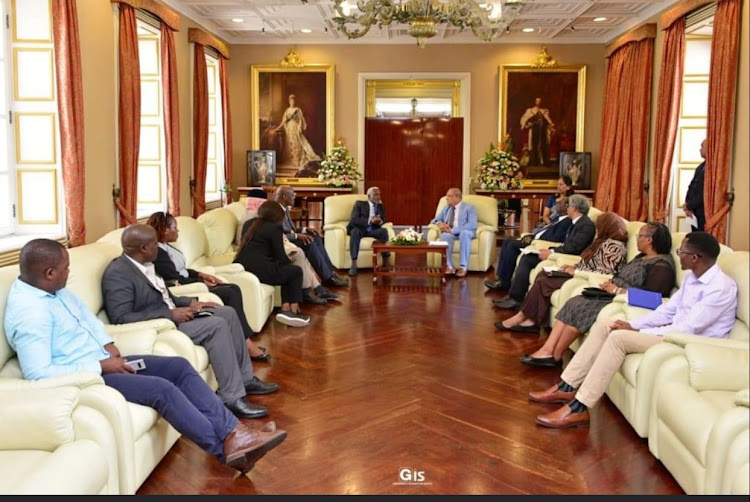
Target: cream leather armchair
point(483, 248)
point(42, 450)
point(699, 410)
point(338, 213)
point(736, 479)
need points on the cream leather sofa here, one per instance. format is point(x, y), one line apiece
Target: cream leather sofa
point(338, 212)
point(138, 437)
point(700, 409)
point(736, 480)
point(41, 447)
point(207, 245)
point(483, 248)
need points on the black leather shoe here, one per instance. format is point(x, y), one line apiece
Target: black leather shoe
point(257, 386)
point(507, 303)
point(244, 409)
point(540, 362)
point(323, 293)
point(308, 297)
point(263, 358)
point(525, 329)
point(497, 285)
point(353, 270)
point(335, 280)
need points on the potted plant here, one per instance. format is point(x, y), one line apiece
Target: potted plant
point(338, 168)
point(226, 194)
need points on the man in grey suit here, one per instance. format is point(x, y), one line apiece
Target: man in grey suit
point(134, 292)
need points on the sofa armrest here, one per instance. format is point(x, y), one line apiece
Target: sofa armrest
point(486, 228)
point(335, 226)
point(79, 379)
point(742, 398)
point(192, 289)
point(433, 232)
point(682, 339)
point(231, 268)
point(38, 419)
point(542, 244)
point(719, 368)
point(157, 324)
point(135, 342)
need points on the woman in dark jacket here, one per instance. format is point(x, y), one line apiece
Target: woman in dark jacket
point(171, 265)
point(262, 253)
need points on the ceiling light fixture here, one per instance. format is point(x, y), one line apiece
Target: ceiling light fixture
point(486, 20)
point(305, 30)
point(237, 20)
point(599, 19)
point(528, 30)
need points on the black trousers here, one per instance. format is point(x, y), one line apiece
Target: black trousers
point(520, 283)
point(231, 296)
point(316, 254)
point(289, 277)
point(356, 234)
point(509, 252)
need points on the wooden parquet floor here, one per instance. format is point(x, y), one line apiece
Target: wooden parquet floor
point(409, 374)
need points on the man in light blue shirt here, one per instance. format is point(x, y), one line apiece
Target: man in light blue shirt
point(705, 304)
point(55, 334)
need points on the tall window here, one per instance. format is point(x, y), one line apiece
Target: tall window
point(692, 124)
point(215, 163)
point(152, 157)
point(31, 201)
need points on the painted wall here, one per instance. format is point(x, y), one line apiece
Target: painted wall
point(481, 61)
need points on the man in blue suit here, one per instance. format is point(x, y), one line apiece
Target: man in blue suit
point(457, 220)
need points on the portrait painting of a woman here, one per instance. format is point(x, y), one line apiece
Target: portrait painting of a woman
point(297, 149)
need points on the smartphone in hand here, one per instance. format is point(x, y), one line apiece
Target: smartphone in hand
point(204, 313)
point(136, 364)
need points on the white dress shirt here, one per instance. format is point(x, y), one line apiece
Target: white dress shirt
point(456, 213)
point(150, 272)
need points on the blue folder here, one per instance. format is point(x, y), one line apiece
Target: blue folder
point(642, 298)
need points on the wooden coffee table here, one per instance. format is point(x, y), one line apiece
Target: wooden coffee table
point(411, 271)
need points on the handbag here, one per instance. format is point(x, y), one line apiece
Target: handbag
point(596, 293)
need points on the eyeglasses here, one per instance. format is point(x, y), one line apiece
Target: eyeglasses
point(680, 252)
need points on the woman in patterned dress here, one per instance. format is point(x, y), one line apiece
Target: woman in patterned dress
point(652, 269)
point(604, 256)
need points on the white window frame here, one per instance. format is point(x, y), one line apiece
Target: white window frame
point(215, 163)
point(43, 111)
point(146, 207)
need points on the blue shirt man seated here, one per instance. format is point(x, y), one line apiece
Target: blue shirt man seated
point(457, 220)
point(54, 334)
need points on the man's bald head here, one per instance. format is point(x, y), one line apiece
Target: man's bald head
point(140, 242)
point(44, 264)
point(453, 196)
point(285, 195)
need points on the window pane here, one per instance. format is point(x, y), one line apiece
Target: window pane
point(38, 196)
point(150, 143)
point(211, 181)
point(5, 203)
point(150, 98)
point(211, 69)
point(695, 99)
point(698, 57)
point(149, 183)
point(34, 80)
point(148, 54)
point(212, 146)
point(35, 138)
point(32, 21)
point(211, 111)
point(690, 143)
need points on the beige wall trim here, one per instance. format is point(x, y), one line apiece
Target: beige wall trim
point(636, 35)
point(196, 35)
point(680, 10)
point(161, 11)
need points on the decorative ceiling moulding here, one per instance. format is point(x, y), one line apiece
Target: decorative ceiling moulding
point(636, 35)
point(198, 36)
point(680, 10)
point(164, 13)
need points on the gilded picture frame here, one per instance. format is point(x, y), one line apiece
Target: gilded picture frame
point(292, 112)
point(541, 113)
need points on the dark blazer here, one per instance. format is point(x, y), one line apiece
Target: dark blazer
point(287, 224)
point(361, 215)
point(130, 297)
point(555, 231)
point(264, 254)
point(694, 196)
point(165, 268)
point(580, 237)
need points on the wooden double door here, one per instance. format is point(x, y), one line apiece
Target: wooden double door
point(414, 161)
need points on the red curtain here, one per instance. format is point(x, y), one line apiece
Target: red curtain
point(226, 119)
point(722, 94)
point(171, 117)
point(627, 102)
point(668, 114)
point(70, 109)
point(200, 130)
point(130, 116)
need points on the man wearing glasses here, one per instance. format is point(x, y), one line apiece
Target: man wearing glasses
point(705, 305)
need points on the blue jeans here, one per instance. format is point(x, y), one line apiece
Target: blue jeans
point(172, 387)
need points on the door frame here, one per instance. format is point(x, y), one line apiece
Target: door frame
point(465, 100)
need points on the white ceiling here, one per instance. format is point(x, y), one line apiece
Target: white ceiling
point(553, 22)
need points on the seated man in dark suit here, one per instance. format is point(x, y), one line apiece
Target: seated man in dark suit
point(366, 221)
point(507, 257)
point(580, 235)
point(307, 239)
point(134, 292)
point(55, 334)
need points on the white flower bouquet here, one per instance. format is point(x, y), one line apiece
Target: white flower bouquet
point(498, 170)
point(407, 237)
point(338, 168)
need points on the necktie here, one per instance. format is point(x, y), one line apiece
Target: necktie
point(570, 229)
point(451, 216)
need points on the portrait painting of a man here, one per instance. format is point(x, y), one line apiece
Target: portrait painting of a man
point(541, 110)
point(293, 117)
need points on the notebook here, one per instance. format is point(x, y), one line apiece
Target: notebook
point(642, 298)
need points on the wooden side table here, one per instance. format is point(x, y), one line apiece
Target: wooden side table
point(411, 271)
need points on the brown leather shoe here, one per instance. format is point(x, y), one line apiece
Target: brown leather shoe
point(564, 418)
point(551, 395)
point(245, 444)
point(461, 272)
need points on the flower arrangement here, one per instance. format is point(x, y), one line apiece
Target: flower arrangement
point(407, 237)
point(339, 168)
point(498, 170)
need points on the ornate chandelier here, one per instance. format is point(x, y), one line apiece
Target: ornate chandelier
point(486, 20)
